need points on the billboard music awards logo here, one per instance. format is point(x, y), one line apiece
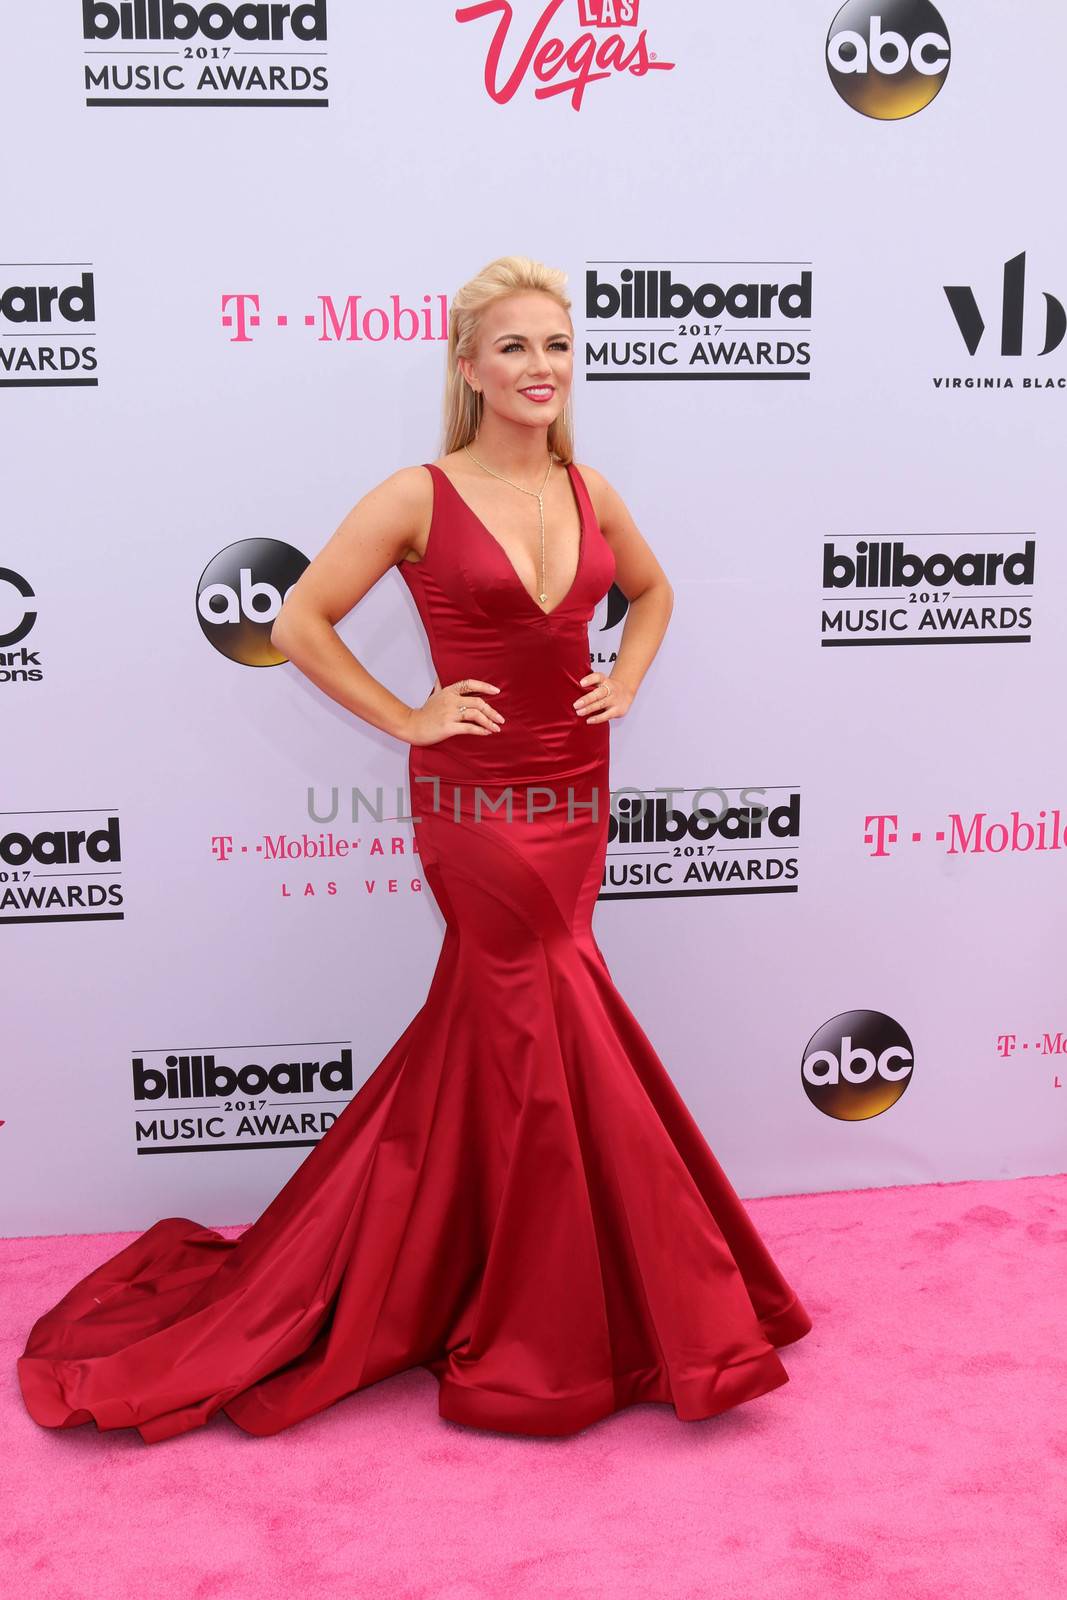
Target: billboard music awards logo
point(698, 320)
point(18, 613)
point(975, 834)
point(888, 58)
point(604, 40)
point(60, 871)
point(857, 1065)
point(661, 846)
point(240, 593)
point(1029, 327)
point(196, 53)
point(242, 1097)
point(44, 322)
point(929, 588)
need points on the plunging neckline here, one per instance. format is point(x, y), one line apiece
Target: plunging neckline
point(541, 612)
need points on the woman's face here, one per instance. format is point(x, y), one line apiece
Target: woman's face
point(525, 343)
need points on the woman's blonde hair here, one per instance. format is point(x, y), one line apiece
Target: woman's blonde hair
point(463, 406)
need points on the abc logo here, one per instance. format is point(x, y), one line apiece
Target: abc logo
point(887, 60)
point(857, 1065)
point(241, 592)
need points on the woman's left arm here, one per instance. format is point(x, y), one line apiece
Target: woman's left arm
point(650, 603)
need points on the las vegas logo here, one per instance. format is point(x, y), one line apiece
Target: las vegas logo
point(609, 42)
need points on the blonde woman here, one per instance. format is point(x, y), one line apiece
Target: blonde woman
point(517, 1199)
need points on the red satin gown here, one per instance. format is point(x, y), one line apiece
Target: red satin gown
point(517, 1199)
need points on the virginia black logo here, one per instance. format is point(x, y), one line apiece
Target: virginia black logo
point(971, 323)
point(240, 593)
point(857, 1065)
point(887, 58)
point(611, 614)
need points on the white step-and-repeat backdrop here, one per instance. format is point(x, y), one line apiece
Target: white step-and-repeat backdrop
point(819, 268)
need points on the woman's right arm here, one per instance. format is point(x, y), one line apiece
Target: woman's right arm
point(377, 533)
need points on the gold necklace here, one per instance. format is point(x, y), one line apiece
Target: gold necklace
point(538, 494)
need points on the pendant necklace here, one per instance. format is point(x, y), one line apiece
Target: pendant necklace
point(539, 496)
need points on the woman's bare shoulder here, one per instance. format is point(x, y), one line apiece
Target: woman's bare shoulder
point(600, 490)
point(404, 500)
point(405, 483)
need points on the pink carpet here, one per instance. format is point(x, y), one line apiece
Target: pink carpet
point(918, 1452)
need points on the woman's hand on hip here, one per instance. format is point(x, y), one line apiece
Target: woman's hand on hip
point(455, 708)
point(605, 699)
